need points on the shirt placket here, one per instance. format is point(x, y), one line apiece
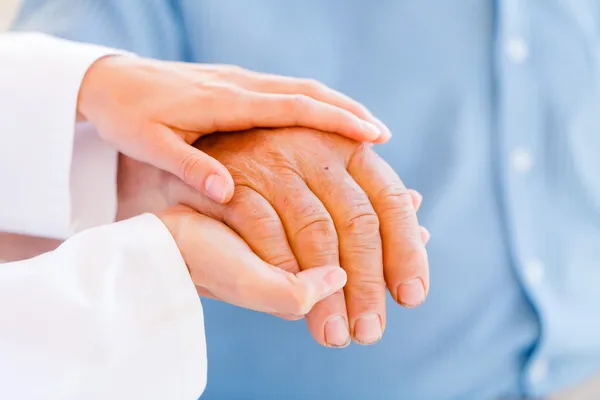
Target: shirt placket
point(519, 142)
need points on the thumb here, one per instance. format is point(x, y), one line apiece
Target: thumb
point(224, 266)
point(198, 170)
point(296, 294)
point(265, 288)
point(315, 284)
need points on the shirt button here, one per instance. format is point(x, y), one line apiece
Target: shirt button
point(521, 160)
point(534, 272)
point(538, 371)
point(517, 50)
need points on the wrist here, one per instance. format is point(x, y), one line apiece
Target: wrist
point(140, 188)
point(175, 219)
point(171, 222)
point(93, 89)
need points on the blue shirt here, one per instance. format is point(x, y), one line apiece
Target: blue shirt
point(495, 108)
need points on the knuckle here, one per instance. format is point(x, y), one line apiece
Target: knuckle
point(318, 238)
point(299, 103)
point(396, 199)
point(300, 305)
point(213, 93)
point(361, 237)
point(283, 260)
point(311, 86)
point(186, 167)
point(362, 221)
point(359, 220)
point(228, 92)
point(250, 205)
point(361, 155)
point(314, 222)
point(269, 240)
point(299, 301)
point(365, 248)
point(227, 70)
point(368, 290)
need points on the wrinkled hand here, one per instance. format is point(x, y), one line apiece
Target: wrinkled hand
point(306, 199)
point(153, 110)
point(223, 267)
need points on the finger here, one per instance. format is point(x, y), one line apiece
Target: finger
point(206, 293)
point(404, 256)
point(242, 109)
point(252, 283)
point(416, 198)
point(228, 270)
point(360, 250)
point(313, 239)
point(251, 216)
point(276, 84)
point(328, 321)
point(425, 235)
point(255, 220)
point(194, 167)
point(202, 292)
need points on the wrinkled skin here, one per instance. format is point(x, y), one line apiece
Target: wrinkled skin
point(326, 200)
point(304, 199)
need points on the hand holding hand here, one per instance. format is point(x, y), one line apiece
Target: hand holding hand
point(306, 199)
point(154, 110)
point(223, 267)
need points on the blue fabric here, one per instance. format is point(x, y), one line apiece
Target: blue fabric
point(495, 108)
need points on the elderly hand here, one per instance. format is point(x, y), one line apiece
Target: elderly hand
point(153, 110)
point(306, 199)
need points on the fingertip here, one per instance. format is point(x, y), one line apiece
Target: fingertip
point(425, 235)
point(335, 279)
point(219, 187)
point(371, 133)
point(327, 280)
point(411, 293)
point(416, 197)
point(385, 135)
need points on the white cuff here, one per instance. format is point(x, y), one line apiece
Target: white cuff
point(54, 182)
point(93, 185)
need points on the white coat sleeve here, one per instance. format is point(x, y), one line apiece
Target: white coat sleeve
point(111, 314)
point(56, 177)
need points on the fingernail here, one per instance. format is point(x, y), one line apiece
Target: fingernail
point(373, 131)
point(367, 329)
point(336, 332)
point(216, 187)
point(385, 133)
point(411, 293)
